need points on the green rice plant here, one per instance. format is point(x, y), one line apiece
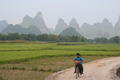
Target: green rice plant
point(18, 52)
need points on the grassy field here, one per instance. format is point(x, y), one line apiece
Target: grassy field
point(25, 51)
point(35, 60)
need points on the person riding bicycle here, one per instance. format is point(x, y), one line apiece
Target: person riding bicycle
point(78, 63)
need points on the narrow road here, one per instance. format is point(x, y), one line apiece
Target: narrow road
point(103, 69)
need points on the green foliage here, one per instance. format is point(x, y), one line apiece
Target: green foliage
point(42, 37)
point(101, 40)
point(55, 38)
point(115, 39)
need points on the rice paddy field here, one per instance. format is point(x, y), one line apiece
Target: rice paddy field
point(36, 60)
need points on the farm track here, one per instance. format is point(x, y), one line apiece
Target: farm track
point(104, 69)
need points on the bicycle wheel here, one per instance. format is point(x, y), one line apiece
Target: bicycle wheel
point(77, 72)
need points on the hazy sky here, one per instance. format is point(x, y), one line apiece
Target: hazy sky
point(89, 11)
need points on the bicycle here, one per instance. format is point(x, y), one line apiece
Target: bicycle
point(77, 72)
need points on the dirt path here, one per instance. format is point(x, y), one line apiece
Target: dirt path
point(103, 69)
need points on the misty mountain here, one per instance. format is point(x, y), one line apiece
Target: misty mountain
point(37, 25)
point(33, 30)
point(74, 24)
point(51, 30)
point(117, 28)
point(37, 21)
point(61, 25)
point(3, 24)
point(21, 30)
point(27, 21)
point(87, 30)
point(103, 29)
point(69, 32)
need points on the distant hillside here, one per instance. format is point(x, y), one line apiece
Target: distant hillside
point(37, 21)
point(74, 24)
point(3, 24)
point(61, 25)
point(69, 32)
point(21, 30)
point(103, 29)
point(117, 28)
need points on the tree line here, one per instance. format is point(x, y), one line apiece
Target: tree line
point(115, 39)
point(56, 38)
point(41, 37)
